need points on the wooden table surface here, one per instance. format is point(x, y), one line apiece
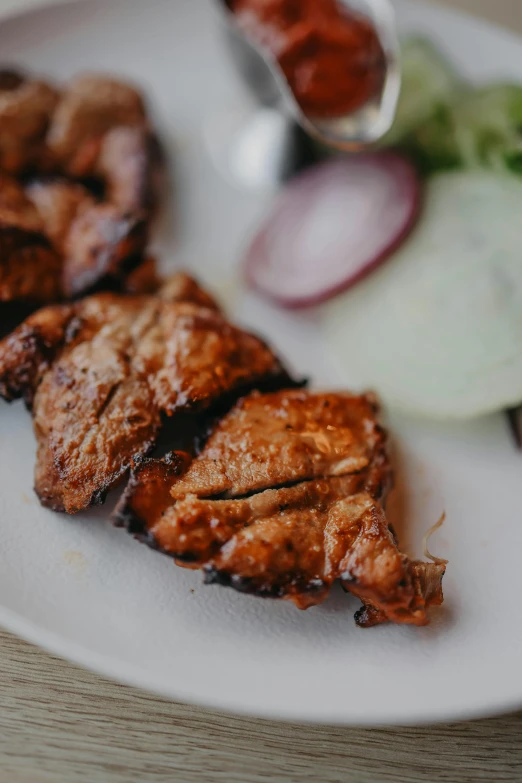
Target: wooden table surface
point(61, 724)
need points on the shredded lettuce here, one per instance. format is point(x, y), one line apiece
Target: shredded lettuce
point(445, 123)
point(481, 130)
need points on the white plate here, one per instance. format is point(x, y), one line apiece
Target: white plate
point(90, 593)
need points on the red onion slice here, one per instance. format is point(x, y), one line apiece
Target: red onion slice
point(332, 225)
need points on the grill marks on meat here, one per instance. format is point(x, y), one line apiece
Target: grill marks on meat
point(101, 374)
point(94, 410)
point(292, 541)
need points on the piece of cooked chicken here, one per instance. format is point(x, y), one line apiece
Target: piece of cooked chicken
point(100, 130)
point(101, 376)
point(26, 107)
point(100, 242)
point(286, 497)
point(57, 242)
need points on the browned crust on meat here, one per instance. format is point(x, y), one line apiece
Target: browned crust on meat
point(30, 350)
point(426, 585)
point(149, 488)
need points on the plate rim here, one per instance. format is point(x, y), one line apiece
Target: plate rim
point(135, 677)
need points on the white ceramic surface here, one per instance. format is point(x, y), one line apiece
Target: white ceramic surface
point(90, 593)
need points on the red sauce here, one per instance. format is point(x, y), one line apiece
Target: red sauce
point(332, 58)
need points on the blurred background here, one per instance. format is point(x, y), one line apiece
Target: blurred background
point(508, 12)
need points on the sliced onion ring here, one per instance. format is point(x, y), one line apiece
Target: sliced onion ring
point(331, 226)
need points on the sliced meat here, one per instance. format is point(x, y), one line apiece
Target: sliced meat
point(293, 541)
point(101, 374)
point(26, 107)
point(272, 440)
point(90, 106)
point(30, 270)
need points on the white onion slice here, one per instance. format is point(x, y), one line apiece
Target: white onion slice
point(438, 330)
point(331, 226)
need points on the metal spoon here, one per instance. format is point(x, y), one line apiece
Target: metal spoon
point(262, 144)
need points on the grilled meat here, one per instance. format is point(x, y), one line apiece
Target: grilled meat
point(57, 240)
point(312, 475)
point(26, 107)
point(100, 243)
point(100, 130)
point(101, 374)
